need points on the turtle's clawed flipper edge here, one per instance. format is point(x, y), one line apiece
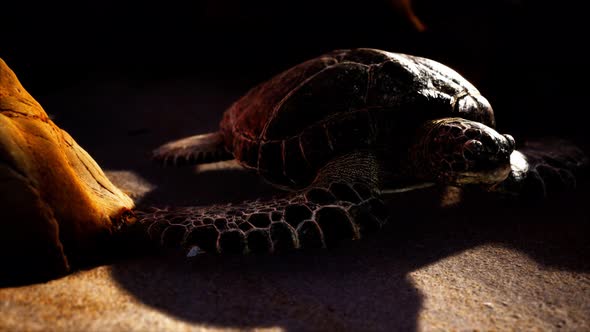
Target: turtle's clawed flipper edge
point(198, 149)
point(545, 167)
point(339, 205)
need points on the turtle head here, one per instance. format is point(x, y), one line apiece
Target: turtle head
point(459, 152)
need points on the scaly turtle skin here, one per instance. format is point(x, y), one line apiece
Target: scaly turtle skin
point(337, 130)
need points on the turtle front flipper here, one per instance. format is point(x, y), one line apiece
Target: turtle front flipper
point(198, 149)
point(544, 167)
point(341, 204)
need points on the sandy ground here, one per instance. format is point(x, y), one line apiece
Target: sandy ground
point(486, 265)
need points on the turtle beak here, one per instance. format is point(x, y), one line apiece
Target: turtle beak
point(490, 177)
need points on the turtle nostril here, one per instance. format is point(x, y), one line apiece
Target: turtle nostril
point(511, 142)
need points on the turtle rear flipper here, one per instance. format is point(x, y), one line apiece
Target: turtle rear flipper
point(198, 149)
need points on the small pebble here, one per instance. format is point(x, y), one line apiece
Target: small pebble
point(194, 251)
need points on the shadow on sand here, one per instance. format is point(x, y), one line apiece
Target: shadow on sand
point(363, 285)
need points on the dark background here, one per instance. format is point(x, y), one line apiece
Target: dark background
point(525, 56)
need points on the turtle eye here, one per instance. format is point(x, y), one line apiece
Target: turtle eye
point(472, 149)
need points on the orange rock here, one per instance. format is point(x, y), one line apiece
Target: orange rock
point(55, 201)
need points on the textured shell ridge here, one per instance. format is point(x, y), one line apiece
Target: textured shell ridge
point(289, 94)
point(292, 77)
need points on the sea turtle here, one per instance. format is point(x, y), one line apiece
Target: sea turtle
point(335, 131)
